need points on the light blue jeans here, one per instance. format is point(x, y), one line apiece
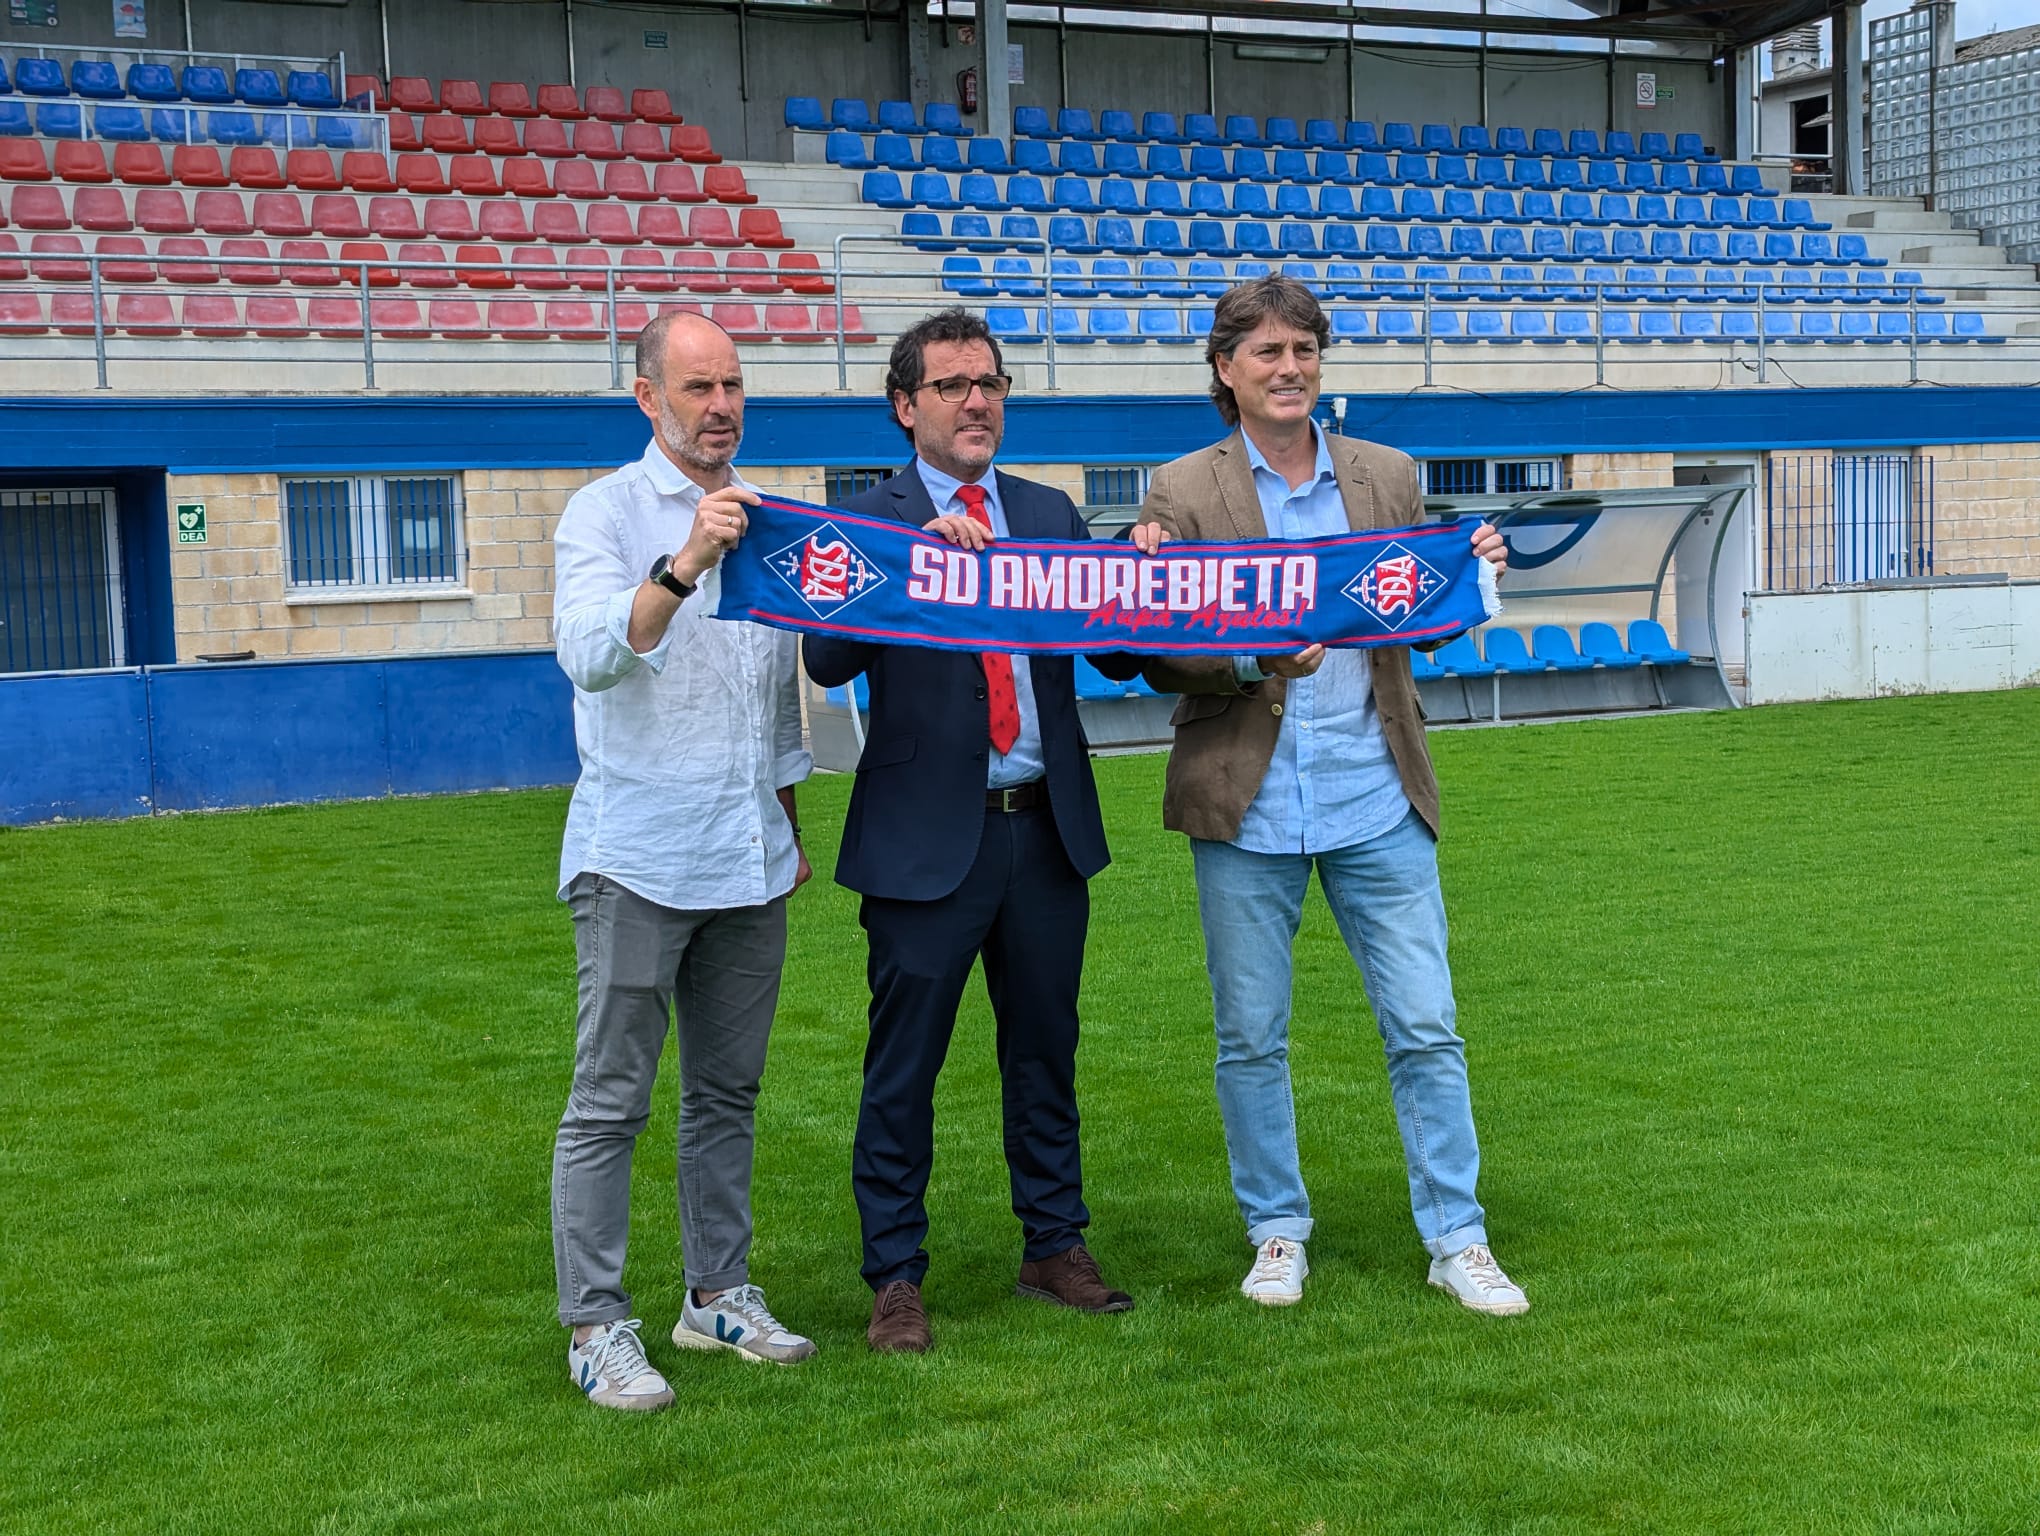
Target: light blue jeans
point(1385, 898)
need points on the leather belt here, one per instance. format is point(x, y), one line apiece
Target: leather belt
point(1021, 797)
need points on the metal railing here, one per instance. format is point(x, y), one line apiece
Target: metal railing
point(1837, 519)
point(332, 65)
point(283, 128)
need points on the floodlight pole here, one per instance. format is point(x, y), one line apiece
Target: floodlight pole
point(995, 93)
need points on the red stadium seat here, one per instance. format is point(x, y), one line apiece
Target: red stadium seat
point(404, 132)
point(281, 215)
point(338, 217)
point(572, 320)
point(258, 272)
point(460, 319)
point(801, 272)
point(606, 102)
point(577, 179)
point(398, 318)
point(450, 219)
point(588, 269)
point(690, 142)
point(221, 213)
point(711, 226)
point(75, 314)
point(853, 323)
point(199, 266)
point(536, 268)
point(370, 86)
point(197, 165)
point(23, 160)
point(653, 107)
point(101, 208)
point(789, 322)
point(58, 259)
point(254, 166)
point(311, 170)
point(557, 224)
point(37, 207)
point(510, 98)
point(307, 264)
point(421, 175)
point(503, 220)
point(526, 178)
point(516, 320)
point(660, 225)
point(497, 136)
point(475, 176)
point(751, 272)
point(275, 314)
point(336, 318)
point(596, 141)
point(445, 136)
point(82, 162)
point(647, 272)
point(12, 268)
point(626, 179)
point(431, 271)
point(740, 320)
point(211, 314)
point(367, 251)
point(140, 165)
point(462, 96)
point(677, 184)
point(481, 267)
point(725, 184)
point(366, 172)
point(543, 136)
point(610, 224)
point(643, 141)
point(138, 270)
point(393, 218)
point(21, 314)
point(412, 93)
point(703, 274)
point(632, 317)
point(560, 101)
point(760, 227)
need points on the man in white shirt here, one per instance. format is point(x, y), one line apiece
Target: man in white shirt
point(681, 848)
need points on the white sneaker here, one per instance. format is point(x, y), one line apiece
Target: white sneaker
point(738, 1320)
point(610, 1366)
point(1473, 1278)
point(1276, 1280)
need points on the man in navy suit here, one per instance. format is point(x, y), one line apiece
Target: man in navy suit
point(971, 832)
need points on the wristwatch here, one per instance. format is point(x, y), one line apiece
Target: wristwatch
point(662, 573)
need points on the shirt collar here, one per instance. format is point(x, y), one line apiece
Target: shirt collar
point(942, 486)
point(1323, 470)
point(667, 480)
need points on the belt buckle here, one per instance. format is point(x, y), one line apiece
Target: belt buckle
point(1006, 795)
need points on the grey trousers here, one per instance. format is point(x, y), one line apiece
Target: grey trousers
point(719, 974)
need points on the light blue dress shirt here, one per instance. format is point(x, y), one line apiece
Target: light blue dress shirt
point(1333, 781)
point(1026, 762)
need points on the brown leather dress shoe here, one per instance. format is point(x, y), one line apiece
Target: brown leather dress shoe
point(899, 1323)
point(1071, 1280)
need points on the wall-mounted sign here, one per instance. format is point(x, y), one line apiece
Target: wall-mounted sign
point(130, 18)
point(655, 40)
point(1016, 63)
point(1646, 90)
point(191, 522)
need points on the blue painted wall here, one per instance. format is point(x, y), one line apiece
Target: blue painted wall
point(354, 434)
point(126, 743)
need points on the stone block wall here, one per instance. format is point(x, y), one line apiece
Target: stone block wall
point(1987, 509)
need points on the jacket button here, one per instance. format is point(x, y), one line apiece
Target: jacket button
point(1275, 709)
point(980, 693)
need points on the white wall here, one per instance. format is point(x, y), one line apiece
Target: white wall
point(1870, 643)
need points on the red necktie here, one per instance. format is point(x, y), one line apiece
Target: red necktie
point(1005, 703)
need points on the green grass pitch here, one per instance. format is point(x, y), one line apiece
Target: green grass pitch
point(1753, 1011)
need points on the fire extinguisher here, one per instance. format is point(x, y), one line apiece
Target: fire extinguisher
point(966, 90)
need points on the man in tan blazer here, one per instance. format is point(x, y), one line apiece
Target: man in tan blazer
point(1283, 764)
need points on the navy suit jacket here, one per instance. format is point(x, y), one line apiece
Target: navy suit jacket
point(918, 810)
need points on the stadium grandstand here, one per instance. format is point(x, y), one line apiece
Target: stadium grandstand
point(311, 318)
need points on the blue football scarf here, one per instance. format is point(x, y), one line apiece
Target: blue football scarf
point(827, 572)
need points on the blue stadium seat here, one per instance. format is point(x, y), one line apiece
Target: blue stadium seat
point(1160, 128)
point(1027, 192)
point(1164, 198)
point(1210, 163)
point(1076, 157)
point(944, 117)
point(965, 275)
point(1207, 236)
point(1747, 179)
point(1653, 146)
point(1245, 131)
point(1118, 195)
point(1114, 233)
point(1649, 642)
point(1072, 194)
point(1208, 279)
point(1423, 667)
point(1071, 281)
point(1675, 176)
point(846, 149)
point(1434, 138)
point(121, 124)
point(1564, 175)
point(1250, 200)
point(1818, 324)
point(309, 88)
point(1342, 239)
point(1075, 123)
point(1201, 128)
point(1794, 211)
point(977, 190)
point(1585, 143)
point(1362, 136)
point(1294, 239)
point(173, 125)
point(1293, 202)
point(1252, 165)
point(1034, 157)
point(1454, 171)
point(1604, 176)
point(1161, 278)
point(1741, 325)
point(1208, 200)
point(259, 88)
point(803, 112)
point(1400, 325)
point(940, 153)
point(1856, 249)
point(1350, 325)
point(40, 77)
point(1069, 327)
point(1017, 276)
point(1384, 240)
point(1415, 170)
point(1321, 133)
point(898, 117)
point(1621, 144)
point(1687, 146)
point(1020, 229)
point(1931, 325)
point(151, 82)
point(1506, 652)
point(1165, 325)
point(850, 112)
point(1115, 279)
point(1554, 646)
point(1164, 237)
point(1111, 323)
point(1573, 325)
point(1913, 288)
point(1528, 171)
point(1282, 131)
point(1122, 160)
point(974, 228)
point(1251, 238)
point(1512, 141)
point(1601, 646)
point(1093, 684)
point(96, 80)
point(1032, 123)
point(1639, 175)
point(882, 190)
point(1293, 165)
point(1166, 161)
point(1012, 325)
point(1474, 140)
point(207, 84)
point(1398, 137)
point(1458, 657)
point(60, 120)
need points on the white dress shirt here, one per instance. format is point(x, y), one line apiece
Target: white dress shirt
point(682, 748)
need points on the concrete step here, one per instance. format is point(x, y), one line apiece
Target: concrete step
point(1951, 252)
point(1910, 220)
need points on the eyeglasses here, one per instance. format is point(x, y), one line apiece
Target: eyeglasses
point(993, 386)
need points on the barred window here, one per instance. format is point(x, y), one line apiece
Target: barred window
point(374, 531)
point(1483, 477)
point(1455, 477)
point(848, 482)
point(1115, 485)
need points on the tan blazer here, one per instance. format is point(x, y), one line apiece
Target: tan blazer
point(1225, 734)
